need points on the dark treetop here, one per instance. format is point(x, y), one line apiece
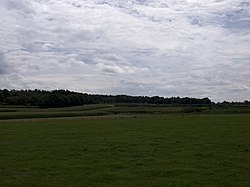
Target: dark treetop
point(64, 98)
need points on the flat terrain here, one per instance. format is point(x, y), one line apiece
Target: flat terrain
point(196, 150)
point(24, 112)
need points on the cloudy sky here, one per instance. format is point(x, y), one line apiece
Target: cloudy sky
point(191, 48)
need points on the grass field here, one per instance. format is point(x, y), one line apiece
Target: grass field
point(18, 112)
point(197, 150)
point(24, 112)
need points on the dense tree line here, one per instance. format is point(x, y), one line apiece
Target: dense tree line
point(64, 98)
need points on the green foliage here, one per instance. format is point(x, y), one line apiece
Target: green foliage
point(1, 97)
point(64, 98)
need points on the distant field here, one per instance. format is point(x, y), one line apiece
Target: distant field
point(196, 150)
point(18, 112)
point(24, 112)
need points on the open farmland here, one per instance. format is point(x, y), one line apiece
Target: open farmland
point(17, 112)
point(111, 110)
point(196, 150)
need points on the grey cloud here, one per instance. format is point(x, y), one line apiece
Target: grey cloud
point(111, 57)
point(134, 88)
point(21, 6)
point(153, 89)
point(114, 68)
point(142, 47)
point(13, 4)
point(4, 68)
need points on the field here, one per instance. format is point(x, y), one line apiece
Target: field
point(154, 150)
point(24, 112)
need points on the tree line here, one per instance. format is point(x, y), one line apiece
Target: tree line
point(65, 98)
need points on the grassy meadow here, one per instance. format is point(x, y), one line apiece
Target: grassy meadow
point(171, 150)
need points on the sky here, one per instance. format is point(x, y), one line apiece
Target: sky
point(186, 48)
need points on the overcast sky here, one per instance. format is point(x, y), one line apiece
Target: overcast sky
point(191, 48)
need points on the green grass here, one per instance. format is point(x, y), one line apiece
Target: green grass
point(197, 150)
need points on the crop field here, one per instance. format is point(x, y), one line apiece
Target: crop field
point(24, 112)
point(10, 112)
point(169, 150)
point(19, 112)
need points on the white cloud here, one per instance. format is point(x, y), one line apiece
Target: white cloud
point(139, 47)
